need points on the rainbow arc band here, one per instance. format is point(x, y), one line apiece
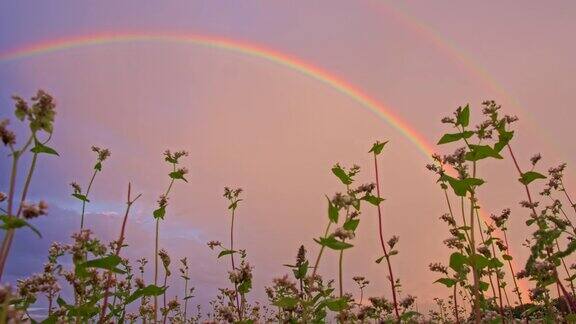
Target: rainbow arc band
point(248, 49)
point(253, 50)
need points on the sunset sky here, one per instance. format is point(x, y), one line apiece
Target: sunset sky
point(272, 111)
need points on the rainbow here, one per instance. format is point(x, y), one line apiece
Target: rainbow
point(270, 55)
point(252, 50)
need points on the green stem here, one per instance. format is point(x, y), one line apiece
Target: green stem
point(7, 242)
point(317, 262)
point(239, 310)
point(84, 201)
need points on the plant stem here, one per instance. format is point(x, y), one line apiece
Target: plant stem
point(317, 262)
point(475, 273)
point(119, 245)
point(156, 269)
point(84, 201)
point(512, 271)
point(156, 248)
point(340, 272)
point(185, 296)
point(499, 288)
point(238, 309)
point(165, 315)
point(7, 242)
point(456, 304)
point(386, 255)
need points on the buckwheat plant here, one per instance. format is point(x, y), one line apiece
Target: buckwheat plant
point(376, 150)
point(177, 173)
point(304, 299)
point(463, 164)
point(101, 156)
point(188, 293)
point(240, 275)
point(38, 115)
point(546, 253)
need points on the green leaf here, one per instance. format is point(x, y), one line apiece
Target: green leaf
point(245, 287)
point(286, 302)
point(483, 286)
point(98, 166)
point(332, 243)
point(478, 261)
point(457, 261)
point(504, 137)
point(449, 138)
point(336, 304)
point(528, 177)
point(11, 222)
point(406, 316)
point(377, 148)
point(80, 197)
point(41, 148)
point(300, 273)
point(479, 152)
point(351, 224)
point(461, 186)
point(571, 318)
point(148, 291)
point(379, 260)
point(507, 257)
point(373, 199)
point(52, 319)
point(109, 263)
point(448, 282)
point(341, 174)
point(160, 212)
point(234, 204)
point(332, 211)
point(61, 302)
point(494, 263)
point(20, 114)
point(463, 116)
point(178, 175)
point(225, 252)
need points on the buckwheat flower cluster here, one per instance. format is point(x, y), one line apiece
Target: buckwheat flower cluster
point(343, 233)
point(407, 301)
point(103, 154)
point(448, 219)
point(241, 274)
point(76, 188)
point(8, 137)
point(41, 114)
point(555, 178)
point(173, 157)
point(361, 281)
point(162, 201)
point(44, 283)
point(213, 244)
point(232, 194)
point(30, 211)
point(501, 219)
point(165, 258)
point(438, 267)
point(393, 241)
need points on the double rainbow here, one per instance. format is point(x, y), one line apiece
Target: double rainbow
point(245, 48)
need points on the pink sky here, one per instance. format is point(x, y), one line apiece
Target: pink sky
point(248, 122)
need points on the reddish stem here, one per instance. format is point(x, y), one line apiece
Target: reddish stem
point(386, 255)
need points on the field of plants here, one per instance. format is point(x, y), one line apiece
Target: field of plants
point(86, 280)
